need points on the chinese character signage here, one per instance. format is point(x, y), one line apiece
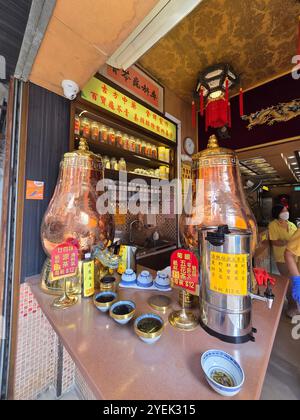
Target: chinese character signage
point(138, 83)
point(103, 95)
point(64, 261)
point(185, 271)
point(229, 273)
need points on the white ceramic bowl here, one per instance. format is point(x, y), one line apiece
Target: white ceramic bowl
point(218, 360)
point(144, 279)
point(124, 318)
point(162, 281)
point(128, 277)
point(148, 337)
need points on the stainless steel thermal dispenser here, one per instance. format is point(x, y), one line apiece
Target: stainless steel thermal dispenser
point(225, 299)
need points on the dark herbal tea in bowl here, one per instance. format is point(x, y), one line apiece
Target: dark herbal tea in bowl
point(122, 309)
point(223, 378)
point(149, 325)
point(105, 298)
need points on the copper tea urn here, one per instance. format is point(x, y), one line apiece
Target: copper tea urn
point(218, 196)
point(72, 210)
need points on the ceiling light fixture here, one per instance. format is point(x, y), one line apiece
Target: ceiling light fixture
point(162, 18)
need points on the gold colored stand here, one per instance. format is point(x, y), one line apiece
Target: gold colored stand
point(183, 320)
point(65, 301)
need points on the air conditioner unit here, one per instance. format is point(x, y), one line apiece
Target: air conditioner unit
point(163, 17)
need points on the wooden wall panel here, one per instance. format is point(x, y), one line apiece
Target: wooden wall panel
point(48, 140)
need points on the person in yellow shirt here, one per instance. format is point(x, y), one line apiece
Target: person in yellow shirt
point(292, 253)
point(280, 232)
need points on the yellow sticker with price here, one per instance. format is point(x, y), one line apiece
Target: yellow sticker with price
point(229, 273)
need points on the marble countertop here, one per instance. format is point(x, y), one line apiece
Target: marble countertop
point(117, 365)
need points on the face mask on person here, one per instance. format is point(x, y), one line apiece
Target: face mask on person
point(284, 216)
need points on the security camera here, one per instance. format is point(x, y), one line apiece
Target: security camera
point(70, 89)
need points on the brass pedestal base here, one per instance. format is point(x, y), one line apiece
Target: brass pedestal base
point(183, 320)
point(64, 302)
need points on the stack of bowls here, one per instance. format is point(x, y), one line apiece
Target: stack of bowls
point(145, 279)
point(162, 281)
point(128, 278)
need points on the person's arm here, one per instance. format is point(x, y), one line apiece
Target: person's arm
point(275, 236)
point(279, 243)
point(291, 263)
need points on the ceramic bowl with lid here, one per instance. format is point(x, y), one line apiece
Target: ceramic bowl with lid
point(128, 277)
point(145, 279)
point(162, 281)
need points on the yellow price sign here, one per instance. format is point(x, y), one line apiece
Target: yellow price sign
point(229, 273)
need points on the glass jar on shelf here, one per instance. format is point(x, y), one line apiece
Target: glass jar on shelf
point(86, 128)
point(162, 153)
point(167, 172)
point(138, 146)
point(111, 137)
point(167, 155)
point(148, 149)
point(154, 152)
point(126, 142)
point(114, 164)
point(77, 125)
point(95, 131)
point(119, 139)
point(103, 134)
point(143, 148)
point(163, 172)
point(122, 164)
point(106, 162)
point(132, 144)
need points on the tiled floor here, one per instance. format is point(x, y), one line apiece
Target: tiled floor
point(72, 394)
point(283, 376)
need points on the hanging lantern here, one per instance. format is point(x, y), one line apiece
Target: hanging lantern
point(241, 102)
point(213, 88)
point(298, 52)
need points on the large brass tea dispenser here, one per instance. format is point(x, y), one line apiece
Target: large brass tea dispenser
point(72, 211)
point(218, 197)
point(222, 231)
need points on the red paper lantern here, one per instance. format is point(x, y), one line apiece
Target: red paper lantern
point(217, 113)
point(213, 88)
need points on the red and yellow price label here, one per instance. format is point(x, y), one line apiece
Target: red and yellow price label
point(185, 271)
point(64, 261)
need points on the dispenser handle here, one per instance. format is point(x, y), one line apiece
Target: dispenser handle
point(217, 237)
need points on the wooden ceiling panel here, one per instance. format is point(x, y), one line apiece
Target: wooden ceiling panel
point(104, 24)
point(80, 37)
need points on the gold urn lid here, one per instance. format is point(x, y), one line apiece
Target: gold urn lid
point(213, 149)
point(214, 156)
point(83, 158)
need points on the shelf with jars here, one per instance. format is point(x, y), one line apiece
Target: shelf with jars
point(122, 144)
